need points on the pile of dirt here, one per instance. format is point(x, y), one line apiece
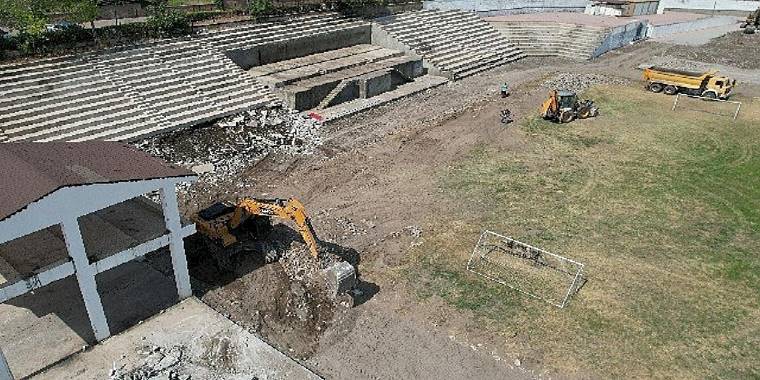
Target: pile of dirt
point(287, 303)
point(580, 82)
point(220, 152)
point(733, 49)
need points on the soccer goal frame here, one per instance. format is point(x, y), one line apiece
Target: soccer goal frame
point(494, 252)
point(736, 112)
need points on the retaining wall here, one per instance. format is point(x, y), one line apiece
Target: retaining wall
point(621, 36)
point(725, 5)
point(687, 26)
point(300, 47)
point(503, 7)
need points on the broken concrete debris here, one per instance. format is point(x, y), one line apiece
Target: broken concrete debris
point(225, 148)
point(580, 82)
point(158, 364)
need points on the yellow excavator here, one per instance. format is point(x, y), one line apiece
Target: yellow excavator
point(563, 106)
point(236, 228)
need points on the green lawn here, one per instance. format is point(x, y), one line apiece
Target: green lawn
point(663, 207)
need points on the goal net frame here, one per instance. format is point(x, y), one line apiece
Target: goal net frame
point(491, 246)
point(736, 112)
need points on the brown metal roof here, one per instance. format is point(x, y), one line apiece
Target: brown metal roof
point(30, 171)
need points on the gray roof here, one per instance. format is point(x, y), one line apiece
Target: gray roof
point(30, 171)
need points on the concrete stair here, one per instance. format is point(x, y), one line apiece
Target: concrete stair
point(554, 39)
point(123, 94)
point(455, 43)
point(264, 33)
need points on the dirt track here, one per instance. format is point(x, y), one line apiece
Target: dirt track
point(372, 183)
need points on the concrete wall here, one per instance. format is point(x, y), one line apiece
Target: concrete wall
point(501, 7)
point(728, 5)
point(621, 36)
point(710, 22)
point(109, 12)
point(300, 47)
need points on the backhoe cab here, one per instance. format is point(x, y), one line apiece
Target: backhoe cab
point(563, 106)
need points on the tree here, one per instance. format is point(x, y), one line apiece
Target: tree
point(30, 16)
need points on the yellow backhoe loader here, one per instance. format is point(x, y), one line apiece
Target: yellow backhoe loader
point(243, 227)
point(563, 106)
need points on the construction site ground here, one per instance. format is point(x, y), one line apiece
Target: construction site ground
point(653, 201)
point(660, 205)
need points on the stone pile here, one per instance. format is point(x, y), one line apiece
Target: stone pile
point(580, 82)
point(226, 148)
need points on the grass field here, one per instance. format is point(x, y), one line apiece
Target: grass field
point(663, 208)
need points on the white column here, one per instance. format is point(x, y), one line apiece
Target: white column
point(86, 278)
point(176, 245)
point(5, 370)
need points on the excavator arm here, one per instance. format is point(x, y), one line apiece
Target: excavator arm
point(290, 209)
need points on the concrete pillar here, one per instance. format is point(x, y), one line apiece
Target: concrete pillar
point(86, 278)
point(176, 245)
point(5, 370)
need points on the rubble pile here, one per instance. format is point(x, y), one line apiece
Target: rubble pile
point(580, 82)
point(680, 64)
point(158, 363)
point(225, 148)
point(733, 49)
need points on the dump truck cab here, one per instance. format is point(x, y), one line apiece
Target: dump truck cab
point(718, 87)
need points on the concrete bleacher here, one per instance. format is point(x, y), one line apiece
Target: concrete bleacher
point(123, 94)
point(553, 39)
point(455, 44)
point(264, 43)
point(323, 80)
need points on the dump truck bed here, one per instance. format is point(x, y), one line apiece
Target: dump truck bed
point(680, 78)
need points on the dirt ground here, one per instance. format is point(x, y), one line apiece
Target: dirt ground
point(372, 187)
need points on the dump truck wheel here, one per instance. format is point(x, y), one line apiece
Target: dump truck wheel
point(710, 95)
point(671, 90)
point(655, 87)
point(749, 30)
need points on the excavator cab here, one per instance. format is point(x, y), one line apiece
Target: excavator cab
point(233, 229)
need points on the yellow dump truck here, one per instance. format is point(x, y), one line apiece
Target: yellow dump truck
point(670, 81)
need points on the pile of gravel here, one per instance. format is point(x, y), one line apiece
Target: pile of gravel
point(226, 148)
point(580, 82)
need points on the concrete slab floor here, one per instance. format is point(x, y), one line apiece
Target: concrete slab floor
point(698, 37)
point(207, 345)
point(44, 327)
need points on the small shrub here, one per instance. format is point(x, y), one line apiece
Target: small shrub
point(259, 8)
point(167, 22)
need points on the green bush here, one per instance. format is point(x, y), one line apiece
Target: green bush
point(260, 7)
point(167, 22)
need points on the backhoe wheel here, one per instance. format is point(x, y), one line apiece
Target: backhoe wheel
point(671, 90)
point(655, 87)
point(584, 113)
point(566, 117)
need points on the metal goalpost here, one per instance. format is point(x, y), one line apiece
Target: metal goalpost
point(735, 113)
point(526, 269)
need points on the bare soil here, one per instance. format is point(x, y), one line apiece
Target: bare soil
point(733, 49)
point(373, 188)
